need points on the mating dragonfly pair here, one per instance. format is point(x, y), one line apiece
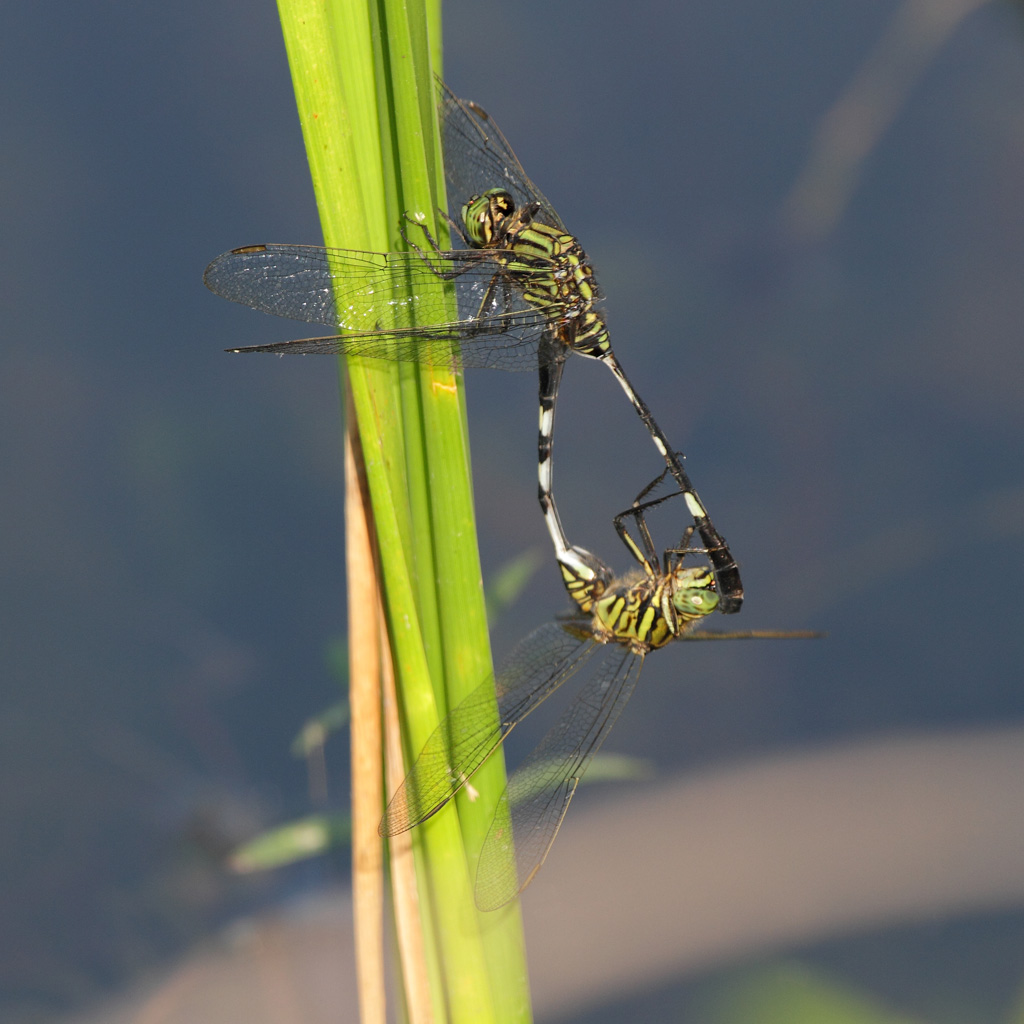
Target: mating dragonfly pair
point(527, 299)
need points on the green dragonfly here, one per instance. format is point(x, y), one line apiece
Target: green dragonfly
point(614, 625)
point(526, 298)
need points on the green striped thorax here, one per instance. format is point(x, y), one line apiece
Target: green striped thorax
point(656, 610)
point(566, 289)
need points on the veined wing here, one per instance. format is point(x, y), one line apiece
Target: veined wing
point(531, 809)
point(477, 157)
point(368, 294)
point(472, 730)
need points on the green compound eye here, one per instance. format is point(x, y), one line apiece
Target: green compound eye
point(484, 216)
point(694, 592)
point(695, 602)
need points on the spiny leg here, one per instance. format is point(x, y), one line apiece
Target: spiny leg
point(453, 227)
point(431, 240)
point(671, 557)
point(499, 280)
point(648, 557)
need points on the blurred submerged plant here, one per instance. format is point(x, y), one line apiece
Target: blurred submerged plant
point(793, 994)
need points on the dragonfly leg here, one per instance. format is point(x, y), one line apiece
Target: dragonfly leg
point(648, 556)
point(491, 299)
point(452, 227)
point(435, 250)
point(638, 513)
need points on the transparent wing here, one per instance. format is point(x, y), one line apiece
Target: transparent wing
point(477, 157)
point(537, 666)
point(368, 294)
point(531, 809)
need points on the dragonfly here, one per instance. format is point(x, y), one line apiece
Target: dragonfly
point(614, 625)
point(526, 295)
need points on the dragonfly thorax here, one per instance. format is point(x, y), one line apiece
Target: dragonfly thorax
point(546, 262)
point(653, 611)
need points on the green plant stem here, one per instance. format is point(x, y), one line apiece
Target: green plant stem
point(366, 103)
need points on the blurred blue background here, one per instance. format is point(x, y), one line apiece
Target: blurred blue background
point(841, 360)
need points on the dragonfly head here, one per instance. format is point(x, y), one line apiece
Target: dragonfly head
point(693, 593)
point(487, 217)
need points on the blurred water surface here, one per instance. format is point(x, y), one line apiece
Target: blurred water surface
point(846, 379)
